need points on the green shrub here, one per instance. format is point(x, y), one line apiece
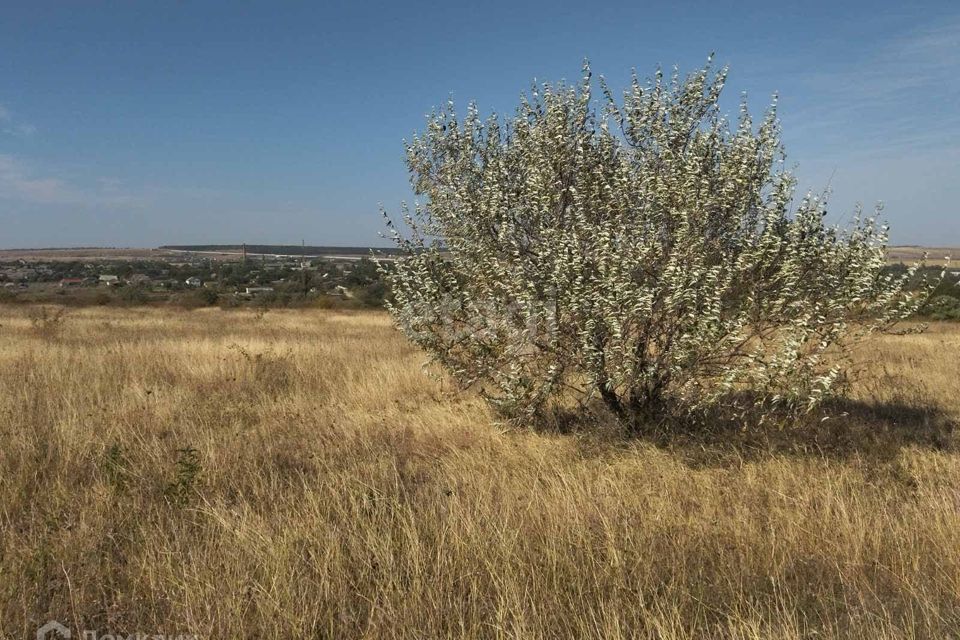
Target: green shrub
point(133, 296)
point(183, 487)
point(230, 302)
point(942, 308)
point(207, 296)
point(195, 299)
point(372, 295)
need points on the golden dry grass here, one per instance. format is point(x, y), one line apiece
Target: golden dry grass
point(298, 475)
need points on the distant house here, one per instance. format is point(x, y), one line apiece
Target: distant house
point(252, 291)
point(193, 281)
point(71, 282)
point(109, 280)
point(139, 279)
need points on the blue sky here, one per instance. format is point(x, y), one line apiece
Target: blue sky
point(139, 124)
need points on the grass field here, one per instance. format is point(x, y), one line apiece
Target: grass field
point(298, 474)
point(936, 256)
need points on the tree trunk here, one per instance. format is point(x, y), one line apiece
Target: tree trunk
point(612, 401)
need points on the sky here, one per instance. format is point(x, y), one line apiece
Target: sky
point(135, 124)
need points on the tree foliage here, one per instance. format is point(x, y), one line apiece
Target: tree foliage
point(647, 251)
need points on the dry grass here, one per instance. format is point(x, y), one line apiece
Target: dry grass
point(936, 256)
point(298, 475)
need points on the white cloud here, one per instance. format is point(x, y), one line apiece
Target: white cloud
point(13, 126)
point(927, 56)
point(899, 95)
point(20, 182)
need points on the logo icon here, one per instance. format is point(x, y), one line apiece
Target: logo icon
point(53, 630)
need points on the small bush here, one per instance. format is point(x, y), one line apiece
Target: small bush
point(133, 296)
point(942, 308)
point(373, 295)
point(209, 296)
point(273, 299)
point(195, 299)
point(230, 302)
point(180, 491)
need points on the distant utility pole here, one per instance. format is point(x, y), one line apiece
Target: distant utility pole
point(243, 248)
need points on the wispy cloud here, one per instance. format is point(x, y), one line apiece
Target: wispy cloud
point(925, 58)
point(901, 94)
point(23, 183)
point(10, 125)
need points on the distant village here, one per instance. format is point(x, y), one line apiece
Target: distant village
point(194, 278)
point(273, 275)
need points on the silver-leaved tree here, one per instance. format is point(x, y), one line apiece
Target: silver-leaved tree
point(645, 251)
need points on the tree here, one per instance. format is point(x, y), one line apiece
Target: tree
point(645, 251)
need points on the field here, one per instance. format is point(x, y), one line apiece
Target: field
point(935, 256)
point(91, 254)
point(241, 474)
